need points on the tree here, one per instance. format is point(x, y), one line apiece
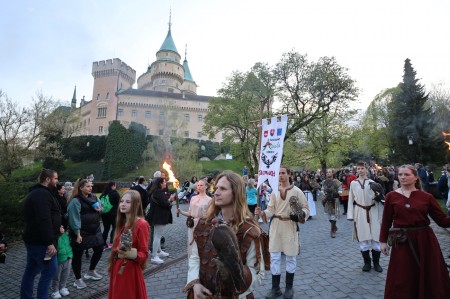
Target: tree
point(235, 113)
point(310, 89)
point(20, 130)
point(412, 120)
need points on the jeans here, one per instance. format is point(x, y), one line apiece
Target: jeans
point(35, 265)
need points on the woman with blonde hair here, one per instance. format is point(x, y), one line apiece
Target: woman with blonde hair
point(197, 209)
point(251, 195)
point(126, 263)
point(417, 268)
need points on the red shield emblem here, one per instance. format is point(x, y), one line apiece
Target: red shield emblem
point(265, 133)
point(272, 132)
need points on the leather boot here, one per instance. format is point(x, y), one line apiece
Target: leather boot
point(275, 291)
point(333, 228)
point(367, 260)
point(289, 291)
point(376, 261)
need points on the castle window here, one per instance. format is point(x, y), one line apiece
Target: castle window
point(120, 112)
point(199, 134)
point(133, 113)
point(89, 121)
point(147, 131)
point(101, 112)
point(200, 118)
point(148, 114)
point(170, 90)
point(174, 132)
point(161, 132)
point(161, 115)
point(163, 81)
point(186, 117)
point(98, 97)
point(186, 134)
point(100, 129)
point(107, 96)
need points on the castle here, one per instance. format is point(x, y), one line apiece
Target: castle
point(165, 100)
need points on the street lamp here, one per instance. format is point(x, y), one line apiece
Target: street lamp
point(411, 142)
point(410, 139)
point(393, 155)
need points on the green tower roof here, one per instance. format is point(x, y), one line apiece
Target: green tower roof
point(168, 44)
point(187, 71)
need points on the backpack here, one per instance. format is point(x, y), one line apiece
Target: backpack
point(107, 206)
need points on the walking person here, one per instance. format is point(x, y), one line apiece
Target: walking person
point(228, 217)
point(416, 268)
point(128, 259)
point(111, 195)
point(197, 209)
point(251, 194)
point(330, 201)
point(84, 230)
point(159, 216)
point(283, 234)
point(42, 216)
point(65, 256)
point(366, 214)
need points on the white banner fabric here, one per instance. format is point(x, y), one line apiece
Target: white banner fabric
point(271, 153)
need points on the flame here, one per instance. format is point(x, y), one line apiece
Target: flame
point(445, 134)
point(378, 167)
point(448, 143)
point(172, 177)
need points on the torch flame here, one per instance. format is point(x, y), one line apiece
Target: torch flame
point(378, 167)
point(448, 143)
point(445, 134)
point(172, 177)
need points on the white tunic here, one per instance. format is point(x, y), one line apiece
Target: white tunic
point(283, 234)
point(362, 230)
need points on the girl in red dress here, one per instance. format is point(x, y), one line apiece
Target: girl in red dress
point(125, 266)
point(417, 268)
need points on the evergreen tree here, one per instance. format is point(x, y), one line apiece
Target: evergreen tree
point(412, 120)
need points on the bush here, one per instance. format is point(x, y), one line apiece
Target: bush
point(84, 148)
point(54, 163)
point(12, 195)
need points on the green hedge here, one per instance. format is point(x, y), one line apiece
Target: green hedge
point(12, 195)
point(84, 148)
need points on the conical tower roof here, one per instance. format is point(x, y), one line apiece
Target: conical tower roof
point(169, 44)
point(187, 71)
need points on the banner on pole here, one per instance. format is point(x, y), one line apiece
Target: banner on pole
point(271, 153)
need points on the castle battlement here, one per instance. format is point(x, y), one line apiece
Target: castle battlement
point(111, 67)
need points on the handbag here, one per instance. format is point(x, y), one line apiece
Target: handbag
point(396, 236)
point(190, 221)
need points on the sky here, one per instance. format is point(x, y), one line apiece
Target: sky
point(49, 46)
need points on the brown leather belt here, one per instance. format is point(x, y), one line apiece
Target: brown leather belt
point(367, 208)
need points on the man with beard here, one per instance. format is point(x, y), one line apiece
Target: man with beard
point(42, 215)
point(330, 202)
point(283, 234)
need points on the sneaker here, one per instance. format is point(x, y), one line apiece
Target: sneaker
point(106, 247)
point(92, 275)
point(156, 260)
point(64, 292)
point(56, 295)
point(163, 254)
point(79, 284)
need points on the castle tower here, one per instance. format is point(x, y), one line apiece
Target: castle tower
point(189, 86)
point(109, 76)
point(166, 73)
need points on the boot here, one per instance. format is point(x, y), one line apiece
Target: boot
point(376, 260)
point(275, 291)
point(289, 291)
point(367, 260)
point(333, 228)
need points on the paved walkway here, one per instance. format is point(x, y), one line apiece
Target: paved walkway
point(326, 268)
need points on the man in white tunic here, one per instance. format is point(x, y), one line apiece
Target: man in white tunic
point(366, 214)
point(283, 234)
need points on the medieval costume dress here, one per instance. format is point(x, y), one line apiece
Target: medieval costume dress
point(203, 270)
point(429, 278)
point(130, 284)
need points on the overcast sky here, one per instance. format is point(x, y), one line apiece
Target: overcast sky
point(50, 45)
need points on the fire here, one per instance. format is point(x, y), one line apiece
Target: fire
point(448, 143)
point(445, 134)
point(378, 167)
point(172, 177)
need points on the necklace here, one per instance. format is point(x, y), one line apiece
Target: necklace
point(407, 205)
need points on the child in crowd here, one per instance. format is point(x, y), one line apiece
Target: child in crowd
point(65, 256)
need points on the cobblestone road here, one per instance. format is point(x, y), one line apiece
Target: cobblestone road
point(326, 268)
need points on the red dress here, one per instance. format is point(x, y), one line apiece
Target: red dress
point(406, 279)
point(130, 284)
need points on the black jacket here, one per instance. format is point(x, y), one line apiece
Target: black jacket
point(160, 208)
point(144, 195)
point(42, 215)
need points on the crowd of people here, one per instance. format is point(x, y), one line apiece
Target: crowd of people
point(225, 241)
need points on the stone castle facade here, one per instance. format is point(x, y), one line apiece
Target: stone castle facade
point(165, 100)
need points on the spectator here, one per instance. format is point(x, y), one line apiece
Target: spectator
point(423, 176)
point(442, 186)
point(65, 256)
point(142, 189)
point(68, 190)
point(42, 216)
point(109, 218)
point(84, 230)
point(3, 248)
point(62, 201)
point(126, 263)
point(251, 193)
